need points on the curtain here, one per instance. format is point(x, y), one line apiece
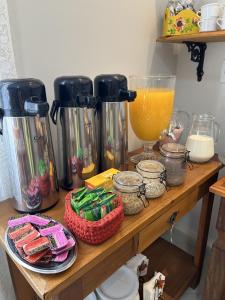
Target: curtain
point(7, 70)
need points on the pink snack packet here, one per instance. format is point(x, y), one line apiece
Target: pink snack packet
point(26, 238)
point(69, 246)
point(58, 240)
point(18, 220)
point(50, 230)
point(61, 257)
point(39, 220)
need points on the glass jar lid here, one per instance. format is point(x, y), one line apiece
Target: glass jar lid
point(127, 181)
point(150, 166)
point(173, 150)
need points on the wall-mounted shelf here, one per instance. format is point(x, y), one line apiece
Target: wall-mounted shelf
point(201, 37)
point(196, 44)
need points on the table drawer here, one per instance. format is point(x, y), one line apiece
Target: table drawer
point(154, 230)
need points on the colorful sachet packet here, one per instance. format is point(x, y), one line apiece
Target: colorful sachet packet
point(105, 205)
point(93, 205)
point(89, 198)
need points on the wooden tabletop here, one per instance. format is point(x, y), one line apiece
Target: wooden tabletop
point(218, 188)
point(89, 256)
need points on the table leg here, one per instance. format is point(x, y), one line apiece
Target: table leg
point(203, 230)
point(23, 290)
point(72, 292)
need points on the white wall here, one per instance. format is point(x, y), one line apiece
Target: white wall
point(202, 97)
point(88, 37)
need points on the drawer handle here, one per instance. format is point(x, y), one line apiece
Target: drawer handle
point(172, 218)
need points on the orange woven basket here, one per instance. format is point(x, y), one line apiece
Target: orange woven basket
point(95, 232)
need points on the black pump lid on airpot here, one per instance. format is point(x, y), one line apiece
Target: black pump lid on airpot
point(74, 91)
point(113, 88)
point(23, 97)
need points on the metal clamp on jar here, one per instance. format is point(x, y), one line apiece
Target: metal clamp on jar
point(174, 157)
point(129, 185)
point(154, 174)
point(75, 114)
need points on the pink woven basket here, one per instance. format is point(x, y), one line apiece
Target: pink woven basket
point(95, 232)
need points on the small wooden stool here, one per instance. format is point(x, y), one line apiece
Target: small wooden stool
point(215, 280)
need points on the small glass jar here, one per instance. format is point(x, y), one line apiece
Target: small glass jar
point(154, 177)
point(174, 157)
point(129, 185)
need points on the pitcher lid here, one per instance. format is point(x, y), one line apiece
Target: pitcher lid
point(23, 97)
point(113, 88)
point(74, 91)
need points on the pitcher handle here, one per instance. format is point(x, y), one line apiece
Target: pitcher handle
point(219, 22)
point(217, 132)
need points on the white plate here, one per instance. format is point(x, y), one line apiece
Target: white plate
point(50, 268)
point(91, 297)
point(122, 285)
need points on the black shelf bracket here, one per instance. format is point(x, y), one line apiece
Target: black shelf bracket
point(198, 56)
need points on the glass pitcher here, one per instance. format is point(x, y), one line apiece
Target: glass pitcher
point(202, 137)
point(151, 111)
point(178, 128)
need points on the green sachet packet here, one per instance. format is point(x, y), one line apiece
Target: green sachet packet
point(88, 215)
point(93, 214)
point(79, 194)
point(97, 191)
point(89, 199)
point(101, 210)
point(106, 197)
point(107, 207)
point(103, 199)
point(74, 206)
point(92, 204)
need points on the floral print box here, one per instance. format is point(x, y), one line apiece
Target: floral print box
point(185, 22)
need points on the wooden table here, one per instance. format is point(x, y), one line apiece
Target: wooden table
point(95, 263)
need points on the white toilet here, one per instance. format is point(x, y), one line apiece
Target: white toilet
point(122, 285)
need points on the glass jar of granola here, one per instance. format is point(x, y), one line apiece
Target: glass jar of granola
point(154, 177)
point(129, 185)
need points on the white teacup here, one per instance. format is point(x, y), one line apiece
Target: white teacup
point(211, 10)
point(221, 23)
point(208, 24)
point(222, 15)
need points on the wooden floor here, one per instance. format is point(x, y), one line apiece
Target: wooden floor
point(177, 265)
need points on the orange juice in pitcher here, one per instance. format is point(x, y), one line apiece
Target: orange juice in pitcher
point(151, 111)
